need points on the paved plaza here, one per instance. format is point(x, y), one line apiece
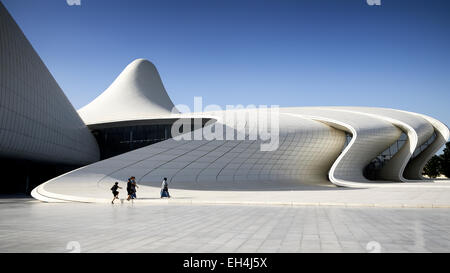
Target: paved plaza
point(27, 225)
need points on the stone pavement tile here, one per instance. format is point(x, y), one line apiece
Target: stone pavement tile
point(310, 250)
point(294, 247)
point(330, 244)
point(332, 250)
point(247, 249)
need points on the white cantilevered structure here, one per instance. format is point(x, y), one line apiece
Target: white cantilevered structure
point(317, 145)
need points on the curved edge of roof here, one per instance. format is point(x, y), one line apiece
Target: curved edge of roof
point(137, 93)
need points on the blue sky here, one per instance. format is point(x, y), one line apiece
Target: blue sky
point(290, 53)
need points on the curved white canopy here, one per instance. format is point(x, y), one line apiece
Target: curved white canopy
point(137, 93)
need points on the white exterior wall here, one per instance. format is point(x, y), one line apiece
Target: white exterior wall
point(306, 152)
point(415, 166)
point(417, 129)
point(137, 93)
point(37, 121)
point(310, 151)
point(371, 136)
point(311, 147)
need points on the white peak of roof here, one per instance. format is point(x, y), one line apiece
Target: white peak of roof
point(137, 93)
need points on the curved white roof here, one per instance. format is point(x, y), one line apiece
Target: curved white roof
point(137, 93)
point(311, 149)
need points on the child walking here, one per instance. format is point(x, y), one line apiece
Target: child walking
point(115, 191)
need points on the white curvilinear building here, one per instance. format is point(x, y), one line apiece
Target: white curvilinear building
point(134, 129)
point(345, 146)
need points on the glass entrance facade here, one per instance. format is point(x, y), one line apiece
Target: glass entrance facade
point(118, 138)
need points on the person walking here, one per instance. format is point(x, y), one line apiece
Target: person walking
point(129, 190)
point(115, 191)
point(133, 187)
point(165, 188)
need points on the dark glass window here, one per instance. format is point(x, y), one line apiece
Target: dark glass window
point(117, 139)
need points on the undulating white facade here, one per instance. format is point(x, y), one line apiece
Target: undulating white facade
point(314, 147)
point(37, 121)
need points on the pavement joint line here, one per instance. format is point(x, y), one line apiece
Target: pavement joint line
point(279, 204)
